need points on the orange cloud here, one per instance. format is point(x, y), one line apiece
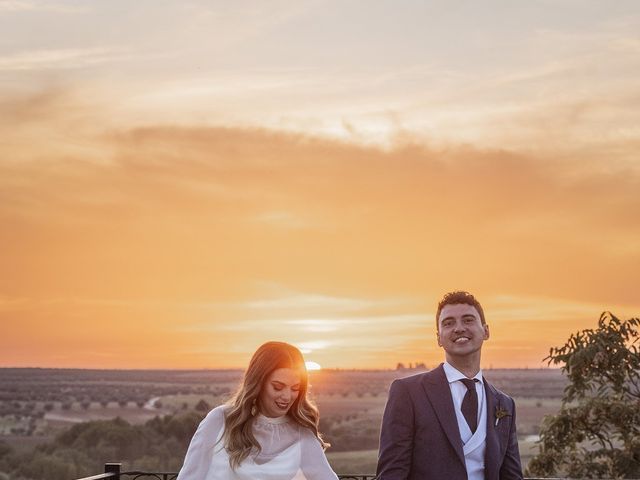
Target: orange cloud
point(166, 246)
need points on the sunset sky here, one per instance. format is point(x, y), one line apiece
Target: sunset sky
point(181, 181)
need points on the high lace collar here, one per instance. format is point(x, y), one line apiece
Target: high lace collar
point(260, 418)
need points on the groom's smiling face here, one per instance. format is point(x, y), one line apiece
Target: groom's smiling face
point(460, 330)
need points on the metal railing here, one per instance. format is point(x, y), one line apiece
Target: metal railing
point(114, 470)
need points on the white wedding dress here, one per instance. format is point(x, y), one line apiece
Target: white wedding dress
point(289, 452)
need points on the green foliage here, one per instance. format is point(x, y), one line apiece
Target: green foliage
point(596, 434)
point(81, 451)
point(39, 465)
point(181, 427)
point(202, 406)
point(5, 449)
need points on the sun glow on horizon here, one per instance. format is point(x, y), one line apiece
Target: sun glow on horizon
point(312, 366)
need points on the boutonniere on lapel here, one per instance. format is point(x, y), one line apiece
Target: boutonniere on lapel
point(501, 413)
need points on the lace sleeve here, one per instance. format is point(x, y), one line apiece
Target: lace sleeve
point(200, 452)
point(314, 463)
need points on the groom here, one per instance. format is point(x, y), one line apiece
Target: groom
point(450, 423)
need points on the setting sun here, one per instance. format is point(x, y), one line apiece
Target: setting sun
point(312, 366)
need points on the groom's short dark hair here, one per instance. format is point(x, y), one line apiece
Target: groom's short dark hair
point(454, 298)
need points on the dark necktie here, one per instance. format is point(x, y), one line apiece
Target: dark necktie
point(470, 403)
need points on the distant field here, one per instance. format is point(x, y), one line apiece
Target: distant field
point(362, 461)
point(36, 404)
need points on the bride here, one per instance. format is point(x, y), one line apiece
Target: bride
point(267, 431)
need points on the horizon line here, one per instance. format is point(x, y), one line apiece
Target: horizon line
point(206, 369)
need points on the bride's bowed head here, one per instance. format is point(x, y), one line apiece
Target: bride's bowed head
point(274, 385)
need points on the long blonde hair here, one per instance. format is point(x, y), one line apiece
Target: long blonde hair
point(238, 435)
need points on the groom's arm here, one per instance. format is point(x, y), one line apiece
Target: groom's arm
point(511, 468)
point(396, 435)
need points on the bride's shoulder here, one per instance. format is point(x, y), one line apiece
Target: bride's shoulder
point(307, 435)
point(219, 411)
point(215, 416)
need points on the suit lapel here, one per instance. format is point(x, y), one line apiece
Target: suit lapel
point(437, 389)
point(492, 453)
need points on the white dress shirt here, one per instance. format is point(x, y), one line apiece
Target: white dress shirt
point(474, 443)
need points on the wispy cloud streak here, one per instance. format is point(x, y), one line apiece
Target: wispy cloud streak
point(60, 59)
